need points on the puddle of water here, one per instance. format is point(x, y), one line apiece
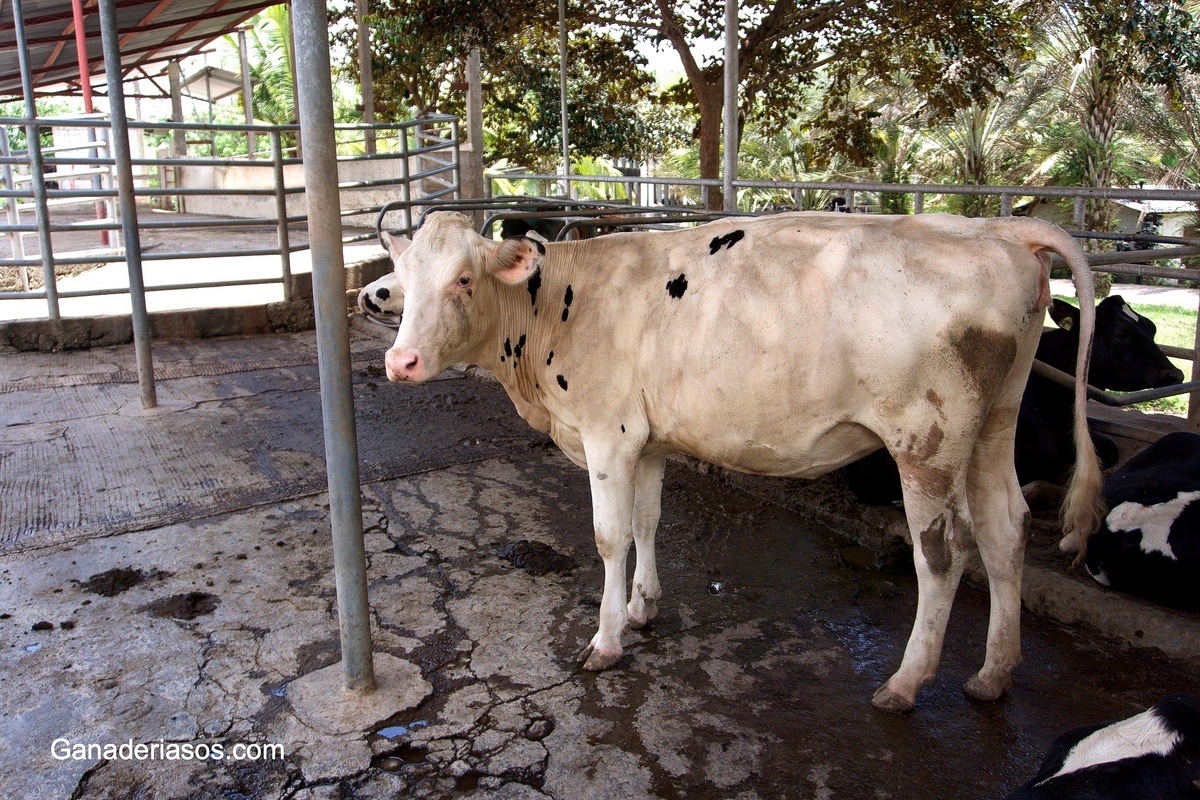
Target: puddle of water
point(397, 760)
point(280, 690)
point(396, 731)
point(32, 648)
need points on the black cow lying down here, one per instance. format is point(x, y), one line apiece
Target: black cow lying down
point(1124, 359)
point(1154, 755)
point(1149, 544)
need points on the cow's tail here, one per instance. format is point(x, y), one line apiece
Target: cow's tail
point(1083, 506)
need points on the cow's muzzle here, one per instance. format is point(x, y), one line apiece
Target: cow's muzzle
point(404, 364)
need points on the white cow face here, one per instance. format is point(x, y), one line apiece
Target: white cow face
point(450, 278)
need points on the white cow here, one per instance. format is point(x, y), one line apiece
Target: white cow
point(785, 345)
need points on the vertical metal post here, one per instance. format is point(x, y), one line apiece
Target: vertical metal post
point(247, 92)
point(36, 166)
point(10, 205)
point(407, 185)
point(311, 33)
point(1077, 214)
point(456, 156)
point(1006, 205)
point(281, 215)
point(918, 202)
point(178, 136)
point(731, 103)
point(474, 182)
point(1193, 408)
point(119, 145)
point(366, 77)
point(850, 202)
point(562, 96)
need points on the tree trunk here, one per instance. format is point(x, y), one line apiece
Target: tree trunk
point(711, 99)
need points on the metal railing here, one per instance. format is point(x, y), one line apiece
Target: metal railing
point(413, 158)
point(645, 193)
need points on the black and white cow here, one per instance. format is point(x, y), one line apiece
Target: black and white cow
point(1150, 542)
point(1124, 358)
point(727, 342)
point(1154, 755)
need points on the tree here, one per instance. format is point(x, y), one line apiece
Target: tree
point(1115, 45)
point(418, 51)
point(953, 50)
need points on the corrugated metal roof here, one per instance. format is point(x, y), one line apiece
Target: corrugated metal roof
point(151, 31)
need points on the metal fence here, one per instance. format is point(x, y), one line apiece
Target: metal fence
point(41, 183)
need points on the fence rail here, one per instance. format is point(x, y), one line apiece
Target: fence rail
point(422, 151)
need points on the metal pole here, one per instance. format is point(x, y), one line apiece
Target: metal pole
point(562, 96)
point(366, 78)
point(247, 92)
point(119, 144)
point(36, 167)
point(10, 204)
point(81, 54)
point(311, 33)
point(731, 103)
point(281, 215)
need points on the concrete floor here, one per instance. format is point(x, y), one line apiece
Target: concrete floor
point(168, 580)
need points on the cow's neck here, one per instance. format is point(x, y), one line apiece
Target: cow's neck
point(528, 322)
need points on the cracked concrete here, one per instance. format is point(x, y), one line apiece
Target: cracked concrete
point(182, 566)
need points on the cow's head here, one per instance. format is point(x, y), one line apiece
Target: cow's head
point(382, 300)
point(450, 278)
point(1124, 355)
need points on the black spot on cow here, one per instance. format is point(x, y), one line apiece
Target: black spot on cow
point(622, 429)
point(550, 358)
point(501, 359)
point(383, 293)
point(532, 285)
point(508, 347)
point(677, 287)
point(567, 298)
point(727, 241)
point(562, 382)
point(520, 346)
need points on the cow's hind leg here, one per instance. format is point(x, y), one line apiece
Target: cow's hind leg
point(1001, 519)
point(647, 505)
point(939, 519)
point(611, 469)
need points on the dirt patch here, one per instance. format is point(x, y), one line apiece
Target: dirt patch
point(113, 582)
point(10, 277)
point(184, 606)
point(535, 558)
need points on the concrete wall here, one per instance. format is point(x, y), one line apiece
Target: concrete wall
point(239, 178)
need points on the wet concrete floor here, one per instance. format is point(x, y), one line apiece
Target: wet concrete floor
point(168, 578)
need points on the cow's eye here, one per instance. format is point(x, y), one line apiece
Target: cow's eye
point(465, 280)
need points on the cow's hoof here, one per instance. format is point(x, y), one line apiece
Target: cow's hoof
point(595, 659)
point(988, 691)
point(887, 700)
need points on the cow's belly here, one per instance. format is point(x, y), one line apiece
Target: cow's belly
point(796, 450)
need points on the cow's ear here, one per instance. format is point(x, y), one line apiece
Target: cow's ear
point(1065, 315)
point(515, 259)
point(396, 245)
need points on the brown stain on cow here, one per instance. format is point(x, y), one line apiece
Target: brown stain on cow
point(935, 399)
point(986, 357)
point(935, 547)
point(949, 532)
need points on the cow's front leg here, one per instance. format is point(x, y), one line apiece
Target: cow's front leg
point(647, 505)
point(612, 477)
